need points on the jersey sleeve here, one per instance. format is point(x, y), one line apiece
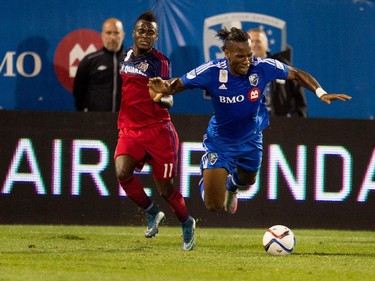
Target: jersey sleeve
point(162, 67)
point(275, 69)
point(199, 77)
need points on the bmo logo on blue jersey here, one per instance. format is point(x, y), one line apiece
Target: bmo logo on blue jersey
point(235, 99)
point(252, 95)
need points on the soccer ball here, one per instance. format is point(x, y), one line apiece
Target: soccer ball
point(279, 240)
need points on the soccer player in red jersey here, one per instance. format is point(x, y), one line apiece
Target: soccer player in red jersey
point(146, 133)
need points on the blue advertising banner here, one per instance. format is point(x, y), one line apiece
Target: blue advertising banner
point(43, 41)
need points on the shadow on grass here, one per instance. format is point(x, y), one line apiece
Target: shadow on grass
point(336, 254)
point(67, 237)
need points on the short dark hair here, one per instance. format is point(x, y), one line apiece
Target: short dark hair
point(147, 16)
point(234, 34)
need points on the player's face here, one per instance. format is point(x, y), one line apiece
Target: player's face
point(112, 35)
point(259, 44)
point(145, 34)
point(239, 55)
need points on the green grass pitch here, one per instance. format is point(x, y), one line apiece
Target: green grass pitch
point(40, 252)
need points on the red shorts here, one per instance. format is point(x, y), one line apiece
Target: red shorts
point(156, 145)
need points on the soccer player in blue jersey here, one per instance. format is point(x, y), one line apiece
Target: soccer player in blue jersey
point(233, 140)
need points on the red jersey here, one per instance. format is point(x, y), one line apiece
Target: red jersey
point(137, 108)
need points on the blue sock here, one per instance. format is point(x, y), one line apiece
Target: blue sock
point(152, 209)
point(234, 182)
point(201, 188)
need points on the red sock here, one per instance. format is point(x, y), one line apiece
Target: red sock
point(134, 190)
point(177, 203)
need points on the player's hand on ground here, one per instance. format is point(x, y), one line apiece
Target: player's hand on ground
point(328, 98)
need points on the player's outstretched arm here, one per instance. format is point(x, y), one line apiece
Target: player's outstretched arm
point(307, 81)
point(328, 98)
point(159, 86)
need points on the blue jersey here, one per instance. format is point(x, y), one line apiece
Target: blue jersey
point(239, 104)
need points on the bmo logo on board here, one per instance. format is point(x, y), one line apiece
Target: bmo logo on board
point(71, 50)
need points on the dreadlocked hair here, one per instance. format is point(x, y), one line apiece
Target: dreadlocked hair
point(234, 34)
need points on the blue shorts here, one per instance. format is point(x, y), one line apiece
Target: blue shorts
point(247, 155)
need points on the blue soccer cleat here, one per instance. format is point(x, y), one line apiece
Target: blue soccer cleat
point(153, 222)
point(188, 233)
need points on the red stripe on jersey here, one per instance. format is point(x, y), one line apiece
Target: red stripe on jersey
point(164, 63)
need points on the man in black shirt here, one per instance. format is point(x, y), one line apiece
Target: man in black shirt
point(284, 97)
point(97, 84)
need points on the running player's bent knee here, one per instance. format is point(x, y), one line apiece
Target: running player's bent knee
point(122, 175)
point(212, 206)
point(248, 180)
point(251, 181)
point(124, 181)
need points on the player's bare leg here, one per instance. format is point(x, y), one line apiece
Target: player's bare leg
point(214, 188)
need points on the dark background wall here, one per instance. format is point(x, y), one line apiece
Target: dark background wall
point(57, 167)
